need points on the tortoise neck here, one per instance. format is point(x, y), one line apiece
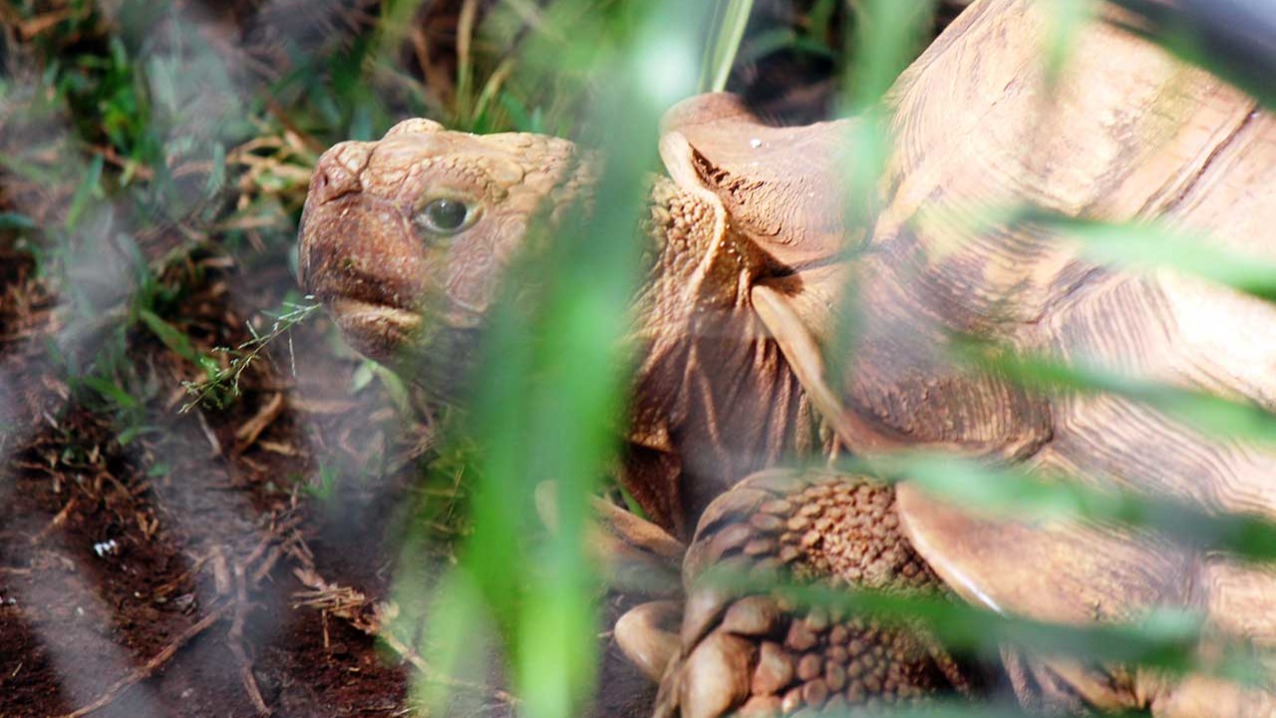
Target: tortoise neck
point(699, 262)
point(714, 398)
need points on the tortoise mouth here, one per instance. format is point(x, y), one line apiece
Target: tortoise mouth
point(435, 355)
point(377, 330)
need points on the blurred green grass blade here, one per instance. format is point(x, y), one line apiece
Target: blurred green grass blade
point(553, 368)
point(1207, 413)
point(1149, 245)
point(820, 18)
point(1137, 246)
point(1162, 638)
point(465, 26)
point(501, 496)
point(1015, 493)
point(88, 188)
point(1066, 20)
point(1167, 640)
point(730, 18)
point(888, 36)
point(457, 643)
point(15, 220)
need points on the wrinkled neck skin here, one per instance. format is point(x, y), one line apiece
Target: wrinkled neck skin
point(714, 398)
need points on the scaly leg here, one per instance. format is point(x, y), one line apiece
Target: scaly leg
point(759, 653)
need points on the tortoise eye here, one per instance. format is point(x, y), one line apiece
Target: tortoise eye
point(446, 216)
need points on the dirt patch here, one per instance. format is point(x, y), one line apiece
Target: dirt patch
point(127, 538)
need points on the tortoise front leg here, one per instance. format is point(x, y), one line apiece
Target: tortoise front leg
point(756, 652)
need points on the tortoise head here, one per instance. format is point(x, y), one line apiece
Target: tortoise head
point(406, 239)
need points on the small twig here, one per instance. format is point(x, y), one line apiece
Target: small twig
point(248, 433)
point(57, 521)
point(350, 605)
point(210, 435)
point(149, 668)
point(187, 575)
point(235, 641)
point(226, 578)
point(267, 565)
point(37, 25)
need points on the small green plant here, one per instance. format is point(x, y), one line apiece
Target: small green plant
point(322, 488)
point(221, 385)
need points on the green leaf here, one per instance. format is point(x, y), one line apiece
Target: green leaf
point(1149, 245)
point(395, 388)
point(112, 392)
point(128, 434)
point(1066, 20)
point(1201, 411)
point(86, 190)
point(171, 337)
point(14, 220)
point(1015, 493)
point(727, 30)
point(362, 377)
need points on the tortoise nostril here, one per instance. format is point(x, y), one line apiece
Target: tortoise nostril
point(337, 172)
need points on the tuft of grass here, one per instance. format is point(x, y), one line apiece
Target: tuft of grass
point(221, 383)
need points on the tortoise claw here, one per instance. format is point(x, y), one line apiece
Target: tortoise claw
point(648, 636)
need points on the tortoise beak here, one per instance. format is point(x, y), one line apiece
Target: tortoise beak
point(357, 255)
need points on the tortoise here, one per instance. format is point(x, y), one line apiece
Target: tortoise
point(405, 240)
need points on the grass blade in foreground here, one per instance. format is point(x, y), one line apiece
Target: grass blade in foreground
point(553, 370)
point(729, 24)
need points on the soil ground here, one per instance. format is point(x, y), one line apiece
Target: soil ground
point(112, 553)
